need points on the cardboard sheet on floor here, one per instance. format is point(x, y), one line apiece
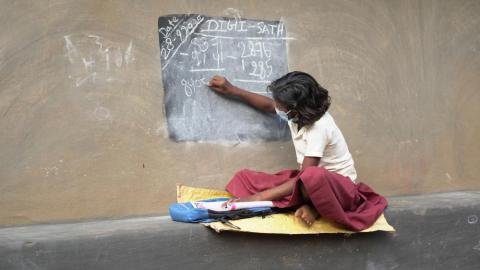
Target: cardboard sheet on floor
point(274, 224)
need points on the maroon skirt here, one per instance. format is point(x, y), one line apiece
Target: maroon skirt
point(334, 196)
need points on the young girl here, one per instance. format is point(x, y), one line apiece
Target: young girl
point(325, 183)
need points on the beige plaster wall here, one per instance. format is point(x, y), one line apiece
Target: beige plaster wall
point(83, 140)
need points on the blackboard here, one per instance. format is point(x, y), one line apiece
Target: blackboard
point(249, 53)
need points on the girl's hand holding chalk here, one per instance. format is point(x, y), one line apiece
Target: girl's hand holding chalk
point(221, 85)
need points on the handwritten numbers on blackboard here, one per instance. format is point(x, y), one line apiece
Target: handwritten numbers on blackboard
point(193, 48)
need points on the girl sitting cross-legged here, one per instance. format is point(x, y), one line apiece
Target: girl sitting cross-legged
point(325, 183)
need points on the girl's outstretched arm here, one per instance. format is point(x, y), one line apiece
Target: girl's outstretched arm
point(223, 86)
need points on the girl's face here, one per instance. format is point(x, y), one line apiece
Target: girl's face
point(282, 107)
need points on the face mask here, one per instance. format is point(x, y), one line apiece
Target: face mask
point(283, 115)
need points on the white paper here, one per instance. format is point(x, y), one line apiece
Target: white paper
point(223, 206)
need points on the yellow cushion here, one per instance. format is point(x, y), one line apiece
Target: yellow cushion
point(276, 223)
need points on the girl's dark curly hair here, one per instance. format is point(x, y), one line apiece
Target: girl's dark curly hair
point(300, 92)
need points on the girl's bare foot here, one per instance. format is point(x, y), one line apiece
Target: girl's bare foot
point(307, 213)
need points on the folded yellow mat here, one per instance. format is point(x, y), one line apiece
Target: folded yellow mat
point(275, 224)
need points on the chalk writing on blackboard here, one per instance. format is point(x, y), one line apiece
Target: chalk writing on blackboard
point(250, 53)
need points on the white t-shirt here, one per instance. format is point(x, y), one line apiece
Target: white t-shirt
point(325, 140)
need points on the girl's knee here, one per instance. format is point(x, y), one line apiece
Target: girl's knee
point(242, 173)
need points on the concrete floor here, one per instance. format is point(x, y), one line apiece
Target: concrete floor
point(436, 231)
